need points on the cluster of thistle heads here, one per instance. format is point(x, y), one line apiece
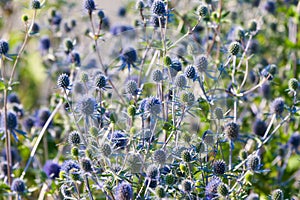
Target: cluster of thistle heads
point(162, 109)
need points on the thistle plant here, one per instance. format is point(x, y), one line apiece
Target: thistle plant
point(159, 100)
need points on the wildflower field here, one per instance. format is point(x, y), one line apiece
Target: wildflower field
point(149, 99)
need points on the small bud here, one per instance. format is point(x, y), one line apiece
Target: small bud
point(223, 190)
point(253, 163)
point(186, 156)
point(160, 156)
point(293, 84)
point(75, 151)
point(74, 138)
point(234, 48)
point(36, 4)
point(277, 195)
point(186, 186)
point(203, 11)
point(160, 191)
point(25, 18)
point(131, 110)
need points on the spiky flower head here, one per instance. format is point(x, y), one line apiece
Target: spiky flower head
point(84, 77)
point(219, 167)
point(157, 76)
point(128, 58)
point(211, 188)
point(74, 58)
point(140, 5)
point(170, 179)
point(86, 165)
point(86, 106)
point(132, 87)
point(234, 48)
point(63, 81)
point(174, 67)
point(124, 191)
point(69, 165)
point(4, 47)
point(180, 81)
point(101, 14)
point(135, 163)
point(188, 98)
point(218, 113)
point(202, 11)
point(243, 154)
point(100, 81)
point(153, 106)
point(160, 192)
point(253, 26)
point(74, 138)
point(131, 110)
point(18, 186)
point(295, 140)
point(187, 186)
point(201, 63)
point(152, 171)
point(12, 121)
point(208, 137)
point(36, 4)
point(51, 169)
point(223, 190)
point(277, 195)
point(190, 72)
point(105, 149)
point(293, 84)
point(45, 43)
point(160, 156)
point(186, 156)
point(119, 139)
point(259, 127)
point(89, 5)
point(158, 8)
point(232, 130)
point(253, 162)
point(277, 106)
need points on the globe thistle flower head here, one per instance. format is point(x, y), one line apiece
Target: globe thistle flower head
point(119, 139)
point(68, 45)
point(277, 106)
point(270, 6)
point(35, 29)
point(190, 72)
point(175, 67)
point(211, 188)
point(143, 105)
point(51, 169)
point(218, 112)
point(234, 48)
point(101, 82)
point(89, 5)
point(223, 190)
point(160, 192)
point(140, 5)
point(152, 172)
point(293, 85)
point(160, 156)
point(63, 81)
point(86, 165)
point(181, 81)
point(202, 11)
point(135, 163)
point(42, 116)
point(153, 106)
point(124, 191)
point(87, 106)
point(74, 58)
point(15, 156)
point(158, 8)
point(101, 14)
point(4, 47)
point(187, 186)
point(79, 88)
point(201, 63)
point(188, 98)
point(219, 167)
point(45, 44)
point(157, 76)
point(36, 4)
point(128, 58)
point(186, 156)
point(253, 163)
point(13, 98)
point(105, 149)
point(69, 165)
point(266, 90)
point(122, 12)
point(74, 138)
point(232, 130)
point(28, 123)
point(253, 26)
point(18, 186)
point(132, 88)
point(11, 124)
point(259, 127)
point(294, 140)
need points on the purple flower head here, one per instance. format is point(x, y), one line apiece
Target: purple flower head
point(42, 116)
point(45, 43)
point(211, 187)
point(18, 185)
point(119, 29)
point(74, 58)
point(15, 156)
point(4, 47)
point(70, 164)
point(89, 5)
point(119, 139)
point(153, 106)
point(28, 123)
point(12, 124)
point(124, 191)
point(52, 169)
point(128, 58)
point(13, 98)
point(294, 141)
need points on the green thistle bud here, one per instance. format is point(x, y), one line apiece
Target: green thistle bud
point(25, 18)
point(293, 84)
point(75, 151)
point(131, 110)
point(84, 77)
point(113, 117)
point(68, 44)
point(234, 48)
point(75, 175)
point(253, 163)
point(202, 11)
point(232, 130)
point(94, 131)
point(90, 154)
point(243, 154)
point(106, 150)
point(182, 167)
point(188, 98)
point(62, 174)
point(186, 156)
point(170, 179)
point(160, 191)
point(223, 190)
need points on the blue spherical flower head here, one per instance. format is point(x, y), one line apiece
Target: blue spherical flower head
point(4, 47)
point(212, 187)
point(153, 106)
point(74, 58)
point(13, 98)
point(69, 165)
point(119, 139)
point(42, 116)
point(158, 8)
point(87, 106)
point(45, 44)
point(128, 58)
point(51, 169)
point(89, 5)
point(124, 191)
point(18, 186)
point(11, 124)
